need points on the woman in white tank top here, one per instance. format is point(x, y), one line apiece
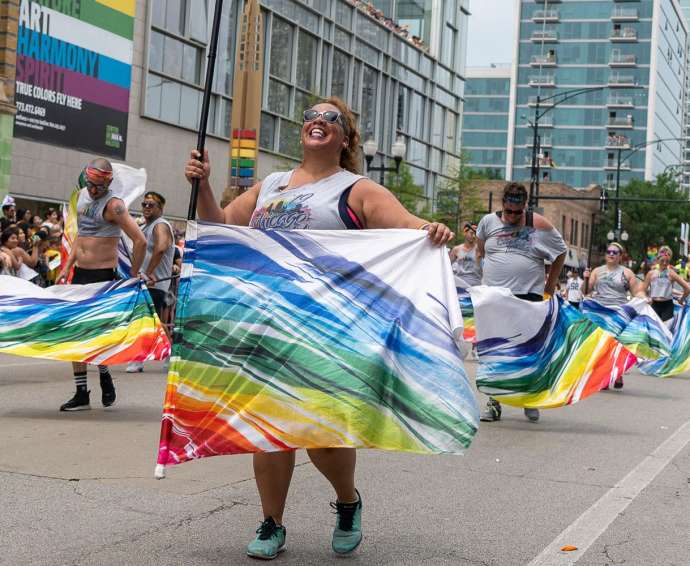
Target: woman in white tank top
point(324, 192)
point(658, 283)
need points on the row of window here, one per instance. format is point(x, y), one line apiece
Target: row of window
point(300, 67)
point(578, 234)
point(585, 30)
point(583, 10)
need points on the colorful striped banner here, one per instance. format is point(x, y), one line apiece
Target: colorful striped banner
point(305, 339)
point(102, 323)
point(541, 355)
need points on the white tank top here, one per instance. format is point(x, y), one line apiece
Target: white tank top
point(661, 286)
point(316, 206)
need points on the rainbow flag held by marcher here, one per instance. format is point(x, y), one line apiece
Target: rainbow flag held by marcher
point(661, 352)
point(541, 355)
point(678, 359)
point(101, 323)
point(469, 332)
point(634, 324)
point(315, 339)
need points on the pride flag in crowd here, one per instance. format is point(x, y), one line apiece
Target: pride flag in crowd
point(312, 339)
point(101, 323)
point(541, 355)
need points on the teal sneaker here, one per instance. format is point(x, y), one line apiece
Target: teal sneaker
point(269, 541)
point(348, 528)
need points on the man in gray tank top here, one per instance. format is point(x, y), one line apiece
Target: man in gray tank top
point(515, 243)
point(160, 249)
point(101, 219)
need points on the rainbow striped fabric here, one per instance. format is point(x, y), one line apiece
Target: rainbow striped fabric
point(102, 323)
point(661, 352)
point(469, 333)
point(312, 339)
point(541, 355)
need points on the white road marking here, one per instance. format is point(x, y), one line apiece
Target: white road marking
point(589, 526)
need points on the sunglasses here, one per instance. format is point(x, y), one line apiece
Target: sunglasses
point(330, 116)
point(91, 185)
point(612, 252)
point(518, 212)
point(148, 204)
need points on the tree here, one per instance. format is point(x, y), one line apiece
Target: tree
point(458, 198)
point(647, 223)
point(410, 195)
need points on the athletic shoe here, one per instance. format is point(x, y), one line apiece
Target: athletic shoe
point(80, 402)
point(618, 384)
point(492, 412)
point(532, 414)
point(135, 367)
point(269, 541)
point(348, 526)
point(107, 390)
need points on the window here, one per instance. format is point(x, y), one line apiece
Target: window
point(403, 102)
point(179, 28)
point(281, 49)
point(306, 61)
point(278, 97)
point(369, 98)
point(341, 74)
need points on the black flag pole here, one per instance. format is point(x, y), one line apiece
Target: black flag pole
point(203, 121)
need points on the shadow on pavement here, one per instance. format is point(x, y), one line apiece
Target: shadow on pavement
point(96, 414)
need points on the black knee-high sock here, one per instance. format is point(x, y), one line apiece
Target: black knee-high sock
point(80, 381)
point(104, 372)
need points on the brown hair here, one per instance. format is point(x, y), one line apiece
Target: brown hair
point(515, 192)
point(349, 157)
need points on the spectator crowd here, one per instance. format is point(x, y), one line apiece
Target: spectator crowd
point(380, 16)
point(30, 243)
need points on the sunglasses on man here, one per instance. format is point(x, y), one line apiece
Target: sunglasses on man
point(513, 212)
point(149, 204)
point(91, 185)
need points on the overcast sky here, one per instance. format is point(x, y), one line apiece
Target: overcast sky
point(491, 33)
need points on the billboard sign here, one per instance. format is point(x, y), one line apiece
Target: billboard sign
point(74, 60)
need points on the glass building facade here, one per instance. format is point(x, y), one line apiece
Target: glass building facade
point(685, 170)
point(485, 119)
point(317, 48)
point(636, 52)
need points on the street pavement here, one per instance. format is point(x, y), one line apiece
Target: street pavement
point(78, 488)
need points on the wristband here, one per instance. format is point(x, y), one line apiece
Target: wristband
point(547, 296)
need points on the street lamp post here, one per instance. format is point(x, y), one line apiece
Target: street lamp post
point(371, 149)
point(538, 115)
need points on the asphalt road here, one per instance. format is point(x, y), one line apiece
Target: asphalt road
point(613, 472)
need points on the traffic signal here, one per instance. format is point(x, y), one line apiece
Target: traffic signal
point(603, 201)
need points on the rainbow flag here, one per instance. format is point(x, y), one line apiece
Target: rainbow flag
point(313, 339)
point(634, 324)
point(102, 323)
point(661, 352)
point(541, 355)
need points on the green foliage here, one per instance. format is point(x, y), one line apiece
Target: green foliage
point(647, 223)
point(410, 195)
point(458, 198)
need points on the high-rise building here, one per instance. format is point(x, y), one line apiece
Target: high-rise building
point(134, 90)
point(685, 7)
point(635, 51)
point(485, 119)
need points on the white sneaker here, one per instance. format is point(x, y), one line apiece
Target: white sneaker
point(135, 367)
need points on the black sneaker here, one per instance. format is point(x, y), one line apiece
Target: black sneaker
point(107, 390)
point(80, 402)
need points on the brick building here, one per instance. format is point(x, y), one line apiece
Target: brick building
point(573, 219)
